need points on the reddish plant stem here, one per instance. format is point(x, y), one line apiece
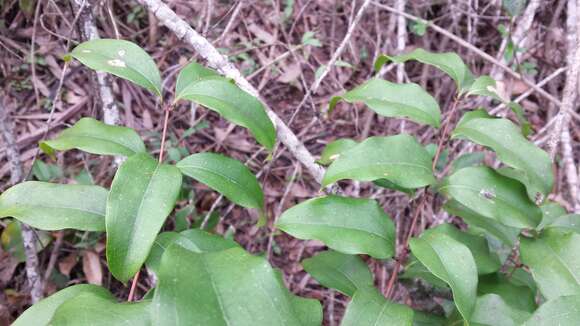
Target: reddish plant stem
point(402, 256)
point(161, 152)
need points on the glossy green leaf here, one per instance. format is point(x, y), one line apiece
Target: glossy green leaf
point(347, 225)
point(142, 195)
point(120, 58)
point(369, 307)
point(399, 159)
point(333, 150)
point(492, 310)
point(225, 175)
point(88, 309)
point(554, 262)
point(194, 239)
point(234, 105)
point(452, 262)
point(517, 296)
point(511, 148)
point(394, 100)
point(42, 312)
point(345, 273)
point(192, 73)
point(486, 261)
point(562, 311)
point(95, 137)
point(228, 287)
point(493, 196)
point(49, 206)
point(505, 234)
point(448, 62)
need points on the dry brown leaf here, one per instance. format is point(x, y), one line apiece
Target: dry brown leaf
point(261, 34)
point(66, 264)
point(290, 73)
point(92, 268)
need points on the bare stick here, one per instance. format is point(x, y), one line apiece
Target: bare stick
point(28, 236)
point(278, 211)
point(217, 61)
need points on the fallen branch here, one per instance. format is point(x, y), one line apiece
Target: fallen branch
point(183, 31)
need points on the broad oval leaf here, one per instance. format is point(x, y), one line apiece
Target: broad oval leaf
point(345, 273)
point(448, 62)
point(195, 240)
point(483, 190)
point(394, 100)
point(369, 307)
point(501, 135)
point(492, 310)
point(93, 310)
point(399, 159)
point(49, 206)
point(347, 225)
point(142, 195)
point(333, 150)
point(225, 175)
point(554, 261)
point(452, 262)
point(93, 136)
point(42, 312)
point(228, 287)
point(192, 73)
point(234, 105)
point(120, 58)
point(562, 311)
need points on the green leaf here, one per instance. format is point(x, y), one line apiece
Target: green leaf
point(486, 261)
point(49, 206)
point(448, 62)
point(384, 183)
point(467, 160)
point(120, 58)
point(194, 239)
point(333, 150)
point(95, 137)
point(562, 311)
point(142, 195)
point(94, 310)
point(570, 222)
point(42, 312)
point(13, 243)
point(492, 310)
point(514, 7)
point(486, 86)
point(517, 296)
point(550, 212)
point(505, 234)
point(192, 73)
point(399, 159)
point(426, 319)
point(369, 307)
point(554, 261)
point(228, 287)
point(452, 262)
point(414, 269)
point(483, 190)
point(394, 100)
point(225, 175)
point(347, 225)
point(525, 125)
point(235, 105)
point(345, 273)
point(511, 148)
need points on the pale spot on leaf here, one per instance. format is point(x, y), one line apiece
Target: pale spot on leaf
point(116, 63)
point(334, 157)
point(121, 53)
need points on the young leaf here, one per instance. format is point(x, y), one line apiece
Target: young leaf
point(95, 137)
point(399, 159)
point(194, 240)
point(347, 225)
point(225, 175)
point(369, 307)
point(42, 312)
point(512, 149)
point(562, 311)
point(346, 273)
point(491, 310)
point(493, 196)
point(333, 150)
point(448, 62)
point(142, 194)
point(120, 58)
point(49, 206)
point(94, 310)
point(554, 261)
point(234, 105)
point(228, 287)
point(394, 100)
point(486, 86)
point(452, 262)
